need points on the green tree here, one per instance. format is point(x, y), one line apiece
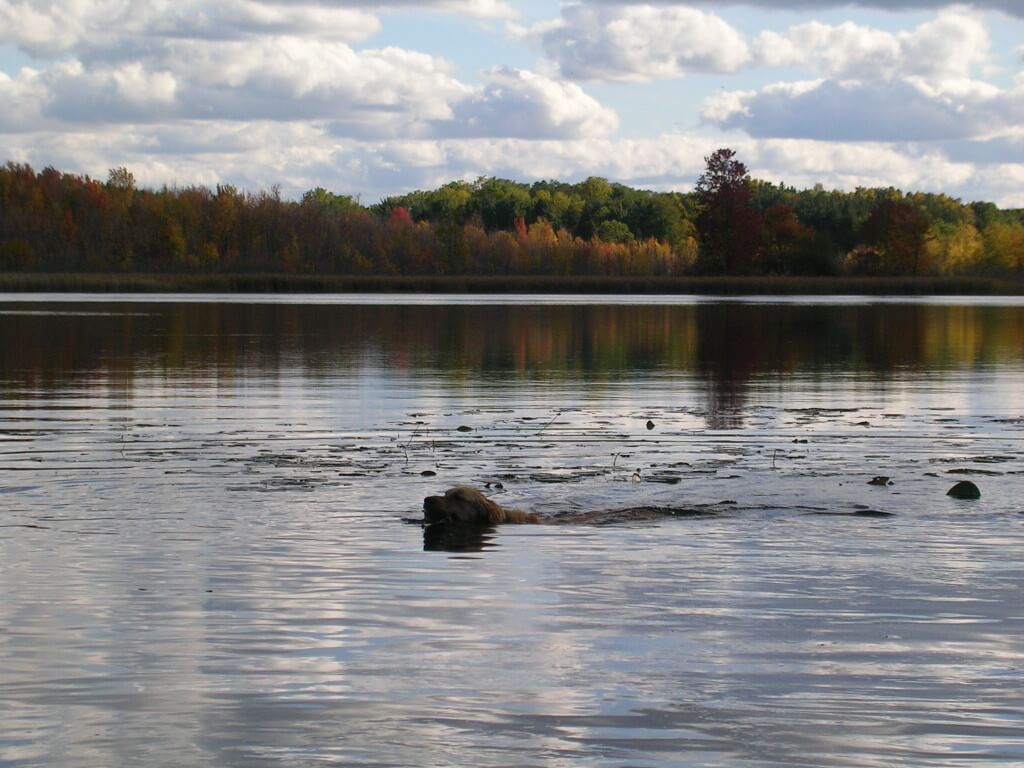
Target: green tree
point(329, 201)
point(613, 231)
point(500, 203)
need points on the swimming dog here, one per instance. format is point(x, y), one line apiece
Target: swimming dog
point(468, 505)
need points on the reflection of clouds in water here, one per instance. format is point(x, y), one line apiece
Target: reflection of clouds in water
point(420, 642)
point(272, 470)
point(318, 633)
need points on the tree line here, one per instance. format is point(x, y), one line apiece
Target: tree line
point(730, 224)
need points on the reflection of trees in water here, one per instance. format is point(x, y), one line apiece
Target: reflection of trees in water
point(729, 350)
point(727, 345)
point(739, 342)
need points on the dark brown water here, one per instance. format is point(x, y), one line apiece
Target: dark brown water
point(203, 559)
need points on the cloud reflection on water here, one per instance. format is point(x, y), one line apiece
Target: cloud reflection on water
point(224, 577)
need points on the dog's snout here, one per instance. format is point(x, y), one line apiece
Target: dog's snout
point(433, 509)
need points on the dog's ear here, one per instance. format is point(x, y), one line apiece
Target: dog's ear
point(484, 510)
point(469, 505)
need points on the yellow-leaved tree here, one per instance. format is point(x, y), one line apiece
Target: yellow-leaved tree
point(1004, 245)
point(955, 248)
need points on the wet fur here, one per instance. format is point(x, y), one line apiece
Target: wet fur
point(468, 505)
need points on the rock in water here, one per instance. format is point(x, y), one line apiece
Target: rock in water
point(881, 480)
point(965, 490)
point(650, 425)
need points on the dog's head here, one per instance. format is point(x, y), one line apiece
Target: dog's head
point(460, 505)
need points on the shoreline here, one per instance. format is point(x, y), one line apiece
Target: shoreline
point(491, 284)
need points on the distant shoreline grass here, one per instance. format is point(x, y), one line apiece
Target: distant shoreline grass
point(282, 283)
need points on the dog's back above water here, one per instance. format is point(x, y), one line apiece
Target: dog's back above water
point(468, 505)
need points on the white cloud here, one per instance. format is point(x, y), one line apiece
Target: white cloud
point(1010, 7)
point(120, 93)
point(726, 105)
point(235, 18)
point(638, 43)
point(485, 9)
point(882, 110)
point(835, 51)
point(372, 94)
point(257, 92)
point(46, 28)
point(302, 156)
point(150, 61)
point(950, 47)
point(845, 111)
point(269, 78)
point(22, 104)
point(482, 9)
point(1003, 183)
point(294, 79)
point(849, 165)
point(107, 28)
point(668, 162)
point(521, 104)
point(874, 85)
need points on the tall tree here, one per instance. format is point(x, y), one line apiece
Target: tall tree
point(728, 226)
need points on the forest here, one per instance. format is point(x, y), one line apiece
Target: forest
point(730, 224)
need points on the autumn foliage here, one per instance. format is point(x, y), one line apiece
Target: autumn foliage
point(732, 224)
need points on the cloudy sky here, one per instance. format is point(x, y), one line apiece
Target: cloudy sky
point(379, 98)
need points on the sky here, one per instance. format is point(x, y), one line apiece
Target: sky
point(374, 99)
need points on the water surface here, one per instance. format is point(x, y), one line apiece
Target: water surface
point(203, 559)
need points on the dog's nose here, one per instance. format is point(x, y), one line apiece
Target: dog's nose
point(433, 509)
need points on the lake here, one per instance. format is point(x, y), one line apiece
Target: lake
point(209, 553)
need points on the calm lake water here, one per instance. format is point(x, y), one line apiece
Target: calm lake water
point(206, 559)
